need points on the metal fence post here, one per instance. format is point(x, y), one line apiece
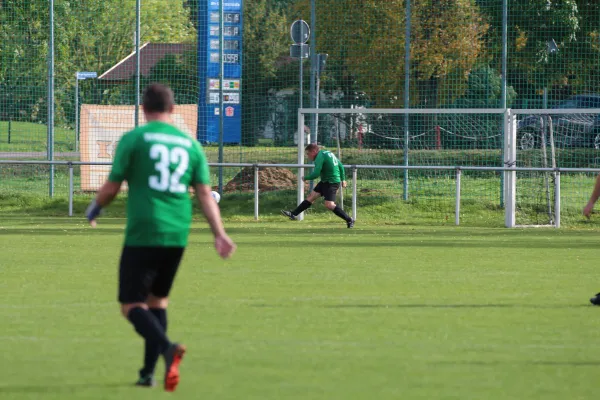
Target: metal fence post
point(256, 188)
point(406, 146)
point(510, 161)
point(138, 7)
point(457, 207)
point(557, 199)
point(76, 112)
point(300, 160)
point(354, 184)
point(50, 99)
point(70, 189)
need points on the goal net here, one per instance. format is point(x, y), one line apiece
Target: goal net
point(407, 162)
point(429, 143)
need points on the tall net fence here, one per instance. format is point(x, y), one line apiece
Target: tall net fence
point(238, 86)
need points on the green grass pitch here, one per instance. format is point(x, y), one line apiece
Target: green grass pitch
point(310, 310)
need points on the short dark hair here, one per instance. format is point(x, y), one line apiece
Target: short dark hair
point(312, 147)
point(158, 98)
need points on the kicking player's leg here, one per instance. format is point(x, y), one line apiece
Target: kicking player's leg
point(329, 194)
point(314, 195)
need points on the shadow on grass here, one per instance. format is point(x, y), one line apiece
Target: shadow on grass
point(368, 238)
point(429, 243)
point(58, 231)
point(534, 306)
point(434, 306)
point(62, 388)
point(494, 363)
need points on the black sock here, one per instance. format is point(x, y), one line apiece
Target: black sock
point(148, 326)
point(303, 206)
point(152, 350)
point(341, 213)
point(161, 316)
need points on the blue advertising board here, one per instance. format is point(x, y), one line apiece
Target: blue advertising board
point(209, 68)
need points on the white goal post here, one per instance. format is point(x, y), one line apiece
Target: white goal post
point(549, 168)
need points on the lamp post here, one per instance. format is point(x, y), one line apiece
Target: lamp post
point(80, 76)
point(321, 60)
point(300, 33)
point(552, 48)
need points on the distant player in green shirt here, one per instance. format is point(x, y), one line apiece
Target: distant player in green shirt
point(159, 163)
point(332, 173)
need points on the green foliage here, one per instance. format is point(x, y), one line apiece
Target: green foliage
point(484, 90)
point(455, 55)
point(23, 55)
point(373, 55)
point(89, 36)
point(531, 25)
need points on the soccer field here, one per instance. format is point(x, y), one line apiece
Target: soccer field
point(310, 310)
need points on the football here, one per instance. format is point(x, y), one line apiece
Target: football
point(216, 196)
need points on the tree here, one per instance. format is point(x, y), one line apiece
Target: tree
point(89, 35)
point(367, 39)
point(583, 53)
point(484, 90)
point(532, 25)
point(23, 55)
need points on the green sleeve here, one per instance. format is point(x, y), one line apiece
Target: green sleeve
point(342, 171)
point(122, 158)
point(201, 170)
point(318, 166)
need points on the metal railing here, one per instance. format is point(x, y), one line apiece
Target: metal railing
point(354, 172)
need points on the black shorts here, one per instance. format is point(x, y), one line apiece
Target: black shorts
point(147, 270)
point(327, 190)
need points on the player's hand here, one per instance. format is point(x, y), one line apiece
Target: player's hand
point(587, 211)
point(344, 184)
point(224, 246)
point(92, 212)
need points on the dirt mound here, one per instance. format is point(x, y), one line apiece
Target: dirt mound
point(268, 179)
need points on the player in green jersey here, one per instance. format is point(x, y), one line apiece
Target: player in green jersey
point(159, 163)
point(332, 174)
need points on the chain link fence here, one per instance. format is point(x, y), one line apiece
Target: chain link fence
point(71, 74)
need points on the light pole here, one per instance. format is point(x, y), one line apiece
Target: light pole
point(80, 76)
point(552, 49)
point(300, 33)
point(321, 60)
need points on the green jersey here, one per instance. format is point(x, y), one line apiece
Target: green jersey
point(328, 167)
point(159, 163)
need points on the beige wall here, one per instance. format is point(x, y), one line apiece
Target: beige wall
point(102, 128)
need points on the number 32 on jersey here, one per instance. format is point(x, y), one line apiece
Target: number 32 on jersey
point(167, 180)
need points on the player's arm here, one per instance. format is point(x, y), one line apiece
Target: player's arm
point(210, 209)
point(201, 181)
point(593, 198)
point(317, 169)
point(107, 193)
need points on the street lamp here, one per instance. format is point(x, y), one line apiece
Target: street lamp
point(321, 61)
point(80, 76)
point(552, 48)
